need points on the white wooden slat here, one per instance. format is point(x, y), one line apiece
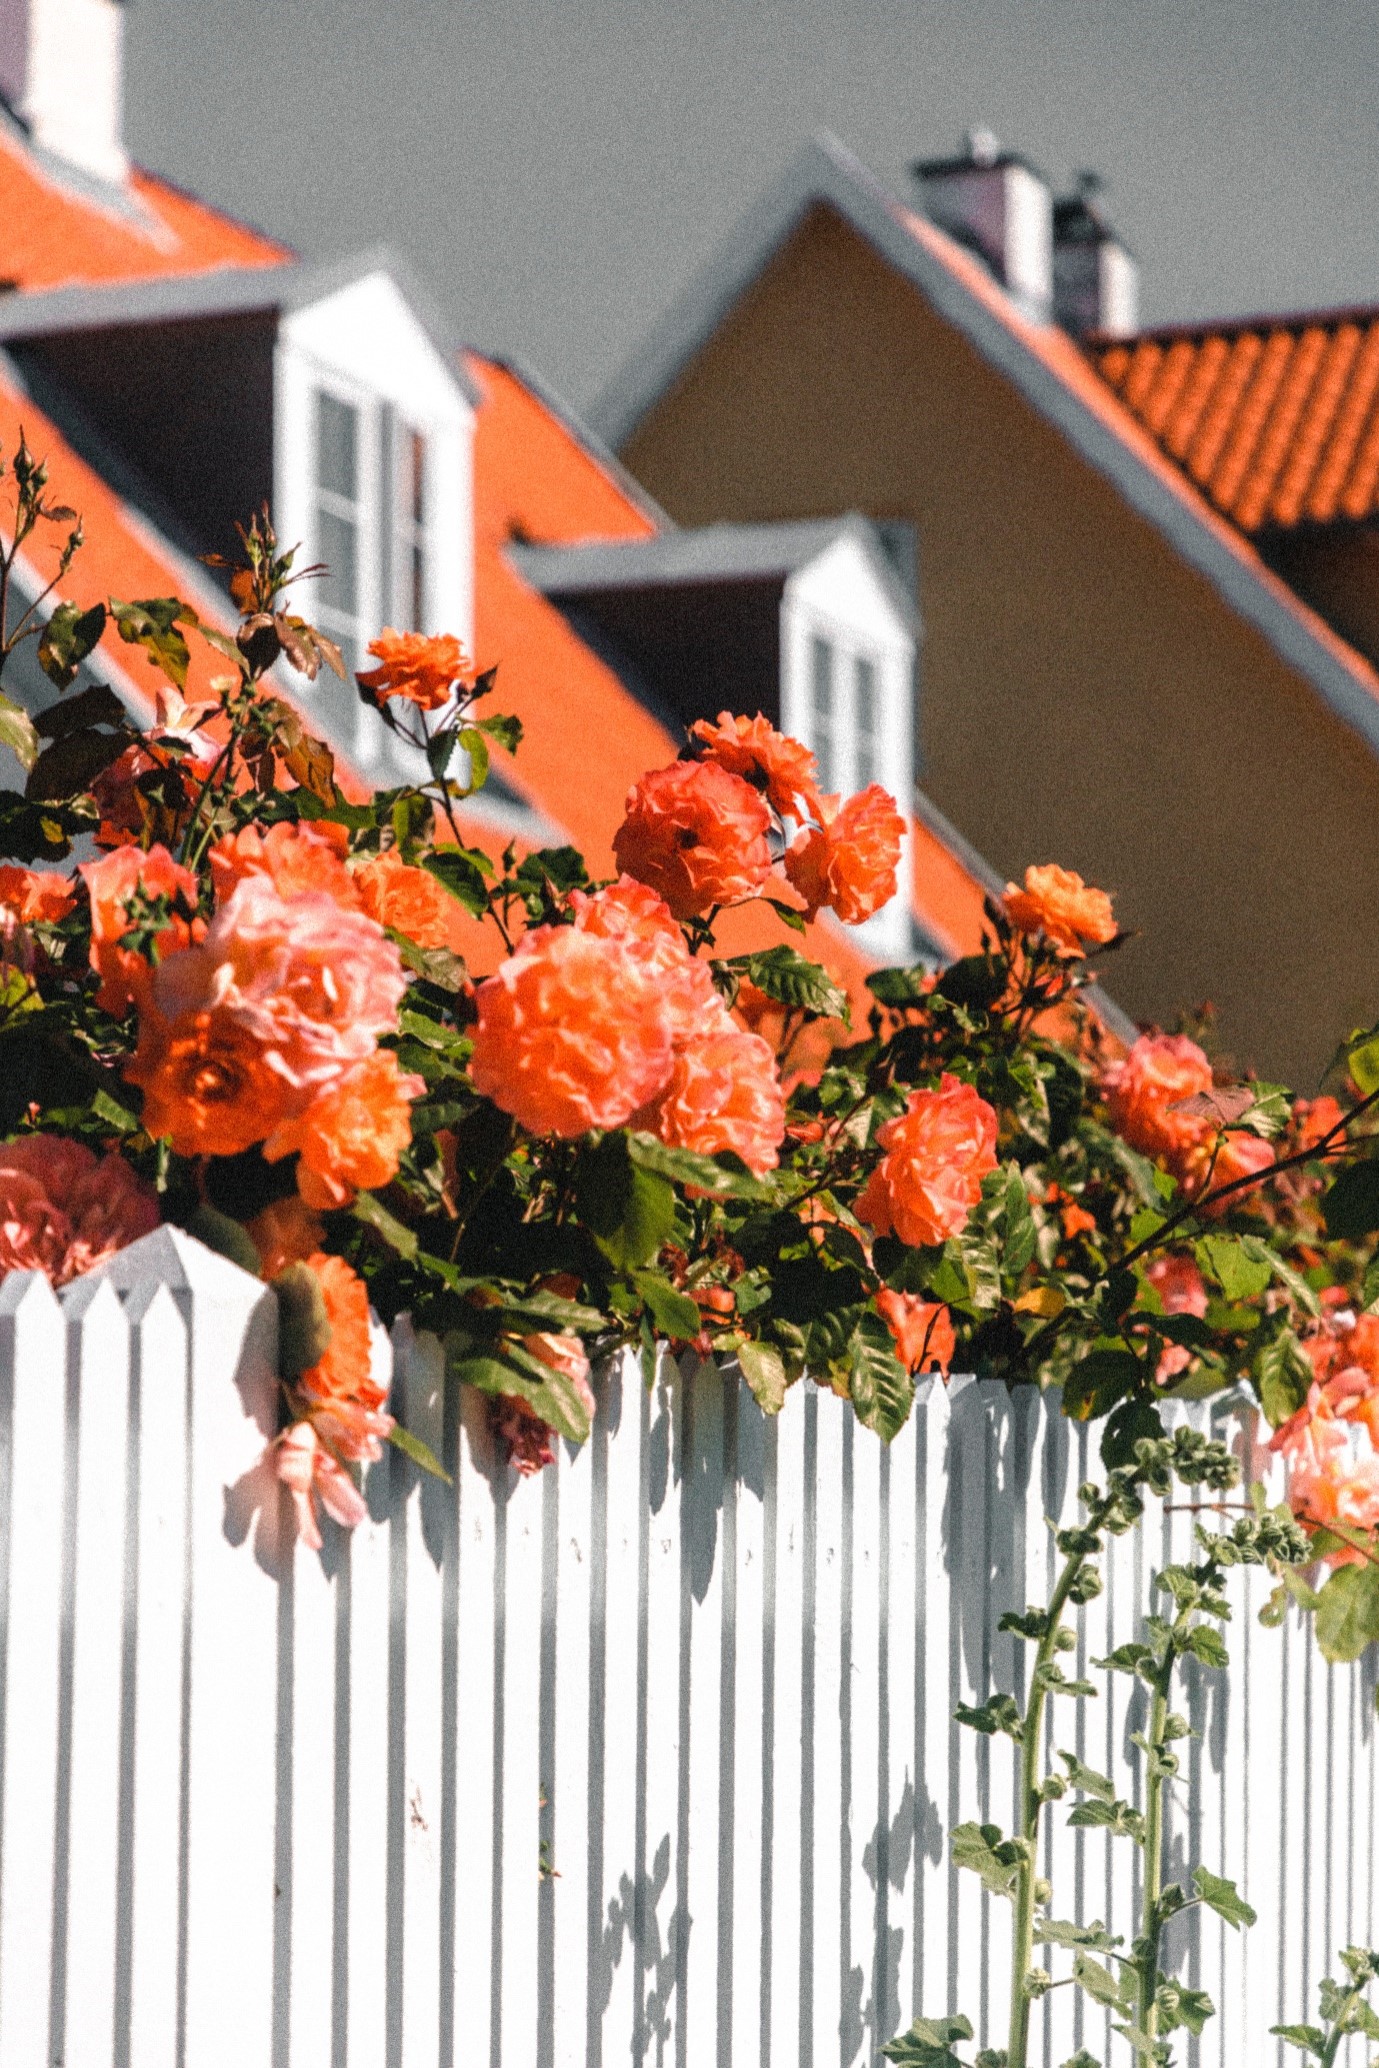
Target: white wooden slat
point(160, 1337)
point(32, 1364)
point(1006, 1500)
point(936, 1985)
point(826, 1878)
point(362, 1844)
point(476, 1976)
point(660, 1921)
point(865, 1830)
point(620, 1459)
point(522, 1778)
point(700, 1804)
point(1062, 1473)
point(419, 1403)
point(787, 1547)
point(310, 1664)
point(568, 1782)
point(901, 1805)
point(235, 1548)
point(969, 1920)
point(96, 1321)
point(743, 1841)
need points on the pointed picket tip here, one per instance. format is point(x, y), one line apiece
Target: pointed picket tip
point(958, 1382)
point(90, 1298)
point(145, 1303)
point(173, 1258)
point(28, 1293)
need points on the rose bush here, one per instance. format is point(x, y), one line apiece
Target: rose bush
point(232, 999)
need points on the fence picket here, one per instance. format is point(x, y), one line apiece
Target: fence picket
point(32, 1351)
point(259, 1804)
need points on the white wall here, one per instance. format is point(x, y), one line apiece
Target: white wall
point(842, 597)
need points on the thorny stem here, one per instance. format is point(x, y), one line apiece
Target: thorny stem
point(1341, 2025)
point(1031, 1803)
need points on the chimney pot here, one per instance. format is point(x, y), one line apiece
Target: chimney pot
point(1095, 278)
point(62, 70)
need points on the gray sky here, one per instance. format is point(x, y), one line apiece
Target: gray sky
point(557, 169)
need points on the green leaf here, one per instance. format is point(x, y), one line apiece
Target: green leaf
point(881, 1388)
point(902, 989)
point(153, 625)
point(792, 980)
point(1098, 1981)
point(674, 1313)
point(1081, 2059)
point(1283, 1373)
point(1053, 1931)
point(685, 1167)
point(764, 1370)
point(376, 1216)
point(1087, 1779)
point(506, 730)
point(787, 915)
point(95, 706)
point(1001, 1713)
point(1348, 1613)
point(1351, 1207)
point(1226, 1259)
point(1310, 2038)
point(983, 1850)
point(929, 2043)
point(476, 747)
point(628, 1209)
point(17, 732)
point(420, 1453)
point(1223, 1897)
point(464, 871)
point(71, 764)
point(1207, 1644)
point(1095, 1384)
point(1131, 1421)
point(517, 1373)
point(117, 1116)
point(1180, 2005)
point(1362, 1060)
point(68, 637)
point(1119, 1818)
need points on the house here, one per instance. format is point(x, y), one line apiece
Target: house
point(178, 370)
point(1150, 636)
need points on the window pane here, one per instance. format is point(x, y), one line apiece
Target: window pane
point(337, 446)
point(415, 462)
point(337, 545)
point(417, 599)
point(868, 744)
point(823, 717)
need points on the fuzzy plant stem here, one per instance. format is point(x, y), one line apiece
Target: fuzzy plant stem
point(1148, 2021)
point(1341, 2026)
point(1031, 1802)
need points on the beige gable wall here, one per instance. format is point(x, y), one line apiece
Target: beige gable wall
point(1087, 698)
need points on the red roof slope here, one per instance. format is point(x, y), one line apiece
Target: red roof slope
point(59, 236)
point(1275, 420)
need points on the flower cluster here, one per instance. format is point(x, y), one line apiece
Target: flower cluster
point(251, 1015)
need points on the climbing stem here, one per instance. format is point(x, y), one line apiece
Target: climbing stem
point(1031, 1803)
point(1148, 2020)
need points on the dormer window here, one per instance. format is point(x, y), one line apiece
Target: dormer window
point(339, 521)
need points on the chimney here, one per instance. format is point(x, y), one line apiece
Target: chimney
point(62, 73)
point(996, 204)
point(1095, 279)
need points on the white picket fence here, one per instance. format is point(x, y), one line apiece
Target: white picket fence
point(648, 1760)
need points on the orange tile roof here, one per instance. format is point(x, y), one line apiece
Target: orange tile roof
point(1275, 420)
point(60, 235)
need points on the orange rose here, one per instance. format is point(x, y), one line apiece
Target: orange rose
point(1143, 1088)
point(211, 1084)
point(769, 760)
point(125, 974)
point(937, 1153)
point(723, 1093)
point(923, 1331)
point(1315, 1118)
point(295, 859)
point(287, 1232)
point(1239, 1156)
point(697, 835)
point(421, 670)
point(41, 895)
point(849, 863)
point(643, 924)
point(352, 1134)
point(574, 1032)
point(125, 811)
point(345, 1372)
point(409, 900)
point(1181, 1289)
point(1059, 905)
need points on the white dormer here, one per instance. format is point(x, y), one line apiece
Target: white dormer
point(373, 467)
point(62, 71)
point(848, 691)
